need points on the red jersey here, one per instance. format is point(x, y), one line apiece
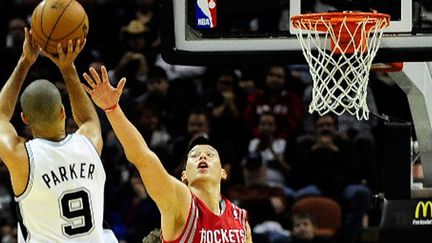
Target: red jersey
point(203, 226)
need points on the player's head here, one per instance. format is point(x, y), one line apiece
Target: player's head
point(41, 105)
point(203, 163)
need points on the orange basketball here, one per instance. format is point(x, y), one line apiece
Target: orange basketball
point(55, 21)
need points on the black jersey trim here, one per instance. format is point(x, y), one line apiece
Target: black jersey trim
point(20, 218)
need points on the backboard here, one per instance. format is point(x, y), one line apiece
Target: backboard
point(200, 32)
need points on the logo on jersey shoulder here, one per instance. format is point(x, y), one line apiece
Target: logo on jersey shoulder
point(235, 213)
point(206, 14)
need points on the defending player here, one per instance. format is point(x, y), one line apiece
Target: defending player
point(193, 211)
point(58, 179)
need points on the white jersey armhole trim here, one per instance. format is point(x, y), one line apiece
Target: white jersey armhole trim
point(31, 165)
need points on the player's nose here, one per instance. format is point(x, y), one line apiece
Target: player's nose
point(202, 156)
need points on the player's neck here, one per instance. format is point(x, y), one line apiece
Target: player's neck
point(210, 196)
point(52, 134)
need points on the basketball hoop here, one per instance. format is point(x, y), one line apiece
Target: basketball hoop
point(387, 67)
point(339, 48)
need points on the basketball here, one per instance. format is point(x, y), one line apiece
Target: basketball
point(55, 21)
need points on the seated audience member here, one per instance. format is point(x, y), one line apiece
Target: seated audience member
point(271, 149)
point(275, 97)
point(303, 230)
point(329, 165)
point(225, 104)
point(136, 215)
point(153, 237)
point(165, 99)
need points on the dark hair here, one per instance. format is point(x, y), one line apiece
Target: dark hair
point(199, 111)
point(157, 72)
point(253, 161)
point(153, 236)
point(40, 102)
point(316, 117)
point(202, 139)
point(227, 72)
point(302, 215)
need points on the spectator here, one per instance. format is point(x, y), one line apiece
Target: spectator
point(226, 105)
point(133, 62)
point(7, 207)
point(12, 49)
point(162, 97)
point(303, 230)
point(329, 165)
point(153, 237)
point(274, 97)
point(136, 214)
point(271, 149)
point(147, 121)
point(148, 14)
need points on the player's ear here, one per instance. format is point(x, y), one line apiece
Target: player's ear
point(25, 119)
point(224, 174)
point(184, 177)
point(62, 112)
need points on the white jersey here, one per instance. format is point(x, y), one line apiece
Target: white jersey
point(64, 198)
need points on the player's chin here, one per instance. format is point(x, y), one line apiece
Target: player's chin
point(203, 176)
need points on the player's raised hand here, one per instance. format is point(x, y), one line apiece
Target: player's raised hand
point(65, 60)
point(104, 95)
point(30, 48)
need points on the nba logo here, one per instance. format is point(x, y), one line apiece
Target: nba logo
point(206, 14)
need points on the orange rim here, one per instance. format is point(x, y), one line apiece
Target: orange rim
point(336, 18)
point(387, 67)
point(320, 22)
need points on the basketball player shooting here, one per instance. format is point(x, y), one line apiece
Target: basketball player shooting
point(192, 210)
point(57, 178)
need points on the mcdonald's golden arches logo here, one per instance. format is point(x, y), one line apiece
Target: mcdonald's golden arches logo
point(423, 208)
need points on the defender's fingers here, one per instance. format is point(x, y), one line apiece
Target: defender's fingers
point(87, 89)
point(104, 74)
point(121, 85)
point(95, 75)
point(89, 80)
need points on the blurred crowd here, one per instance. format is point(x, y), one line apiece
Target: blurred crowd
point(276, 153)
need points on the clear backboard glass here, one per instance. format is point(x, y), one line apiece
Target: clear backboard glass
point(198, 31)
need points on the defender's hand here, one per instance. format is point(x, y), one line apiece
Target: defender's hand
point(104, 95)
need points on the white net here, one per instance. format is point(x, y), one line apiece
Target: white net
point(340, 56)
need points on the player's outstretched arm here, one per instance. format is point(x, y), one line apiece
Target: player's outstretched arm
point(83, 110)
point(8, 99)
point(12, 150)
point(248, 234)
point(164, 189)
